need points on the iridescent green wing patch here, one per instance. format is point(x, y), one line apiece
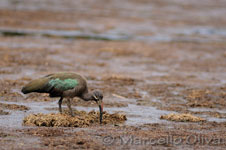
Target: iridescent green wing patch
point(63, 84)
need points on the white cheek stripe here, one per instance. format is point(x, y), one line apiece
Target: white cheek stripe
point(95, 97)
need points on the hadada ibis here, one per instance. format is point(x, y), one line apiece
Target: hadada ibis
point(65, 85)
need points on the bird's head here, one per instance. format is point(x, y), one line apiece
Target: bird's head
point(97, 97)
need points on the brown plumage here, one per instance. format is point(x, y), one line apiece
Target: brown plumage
point(65, 85)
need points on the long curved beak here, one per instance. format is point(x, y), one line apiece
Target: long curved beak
point(100, 103)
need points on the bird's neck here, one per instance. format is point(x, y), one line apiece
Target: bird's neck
point(87, 96)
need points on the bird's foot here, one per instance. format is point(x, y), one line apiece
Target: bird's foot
point(60, 111)
point(72, 114)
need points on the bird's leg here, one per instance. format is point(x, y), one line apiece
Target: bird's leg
point(60, 102)
point(69, 107)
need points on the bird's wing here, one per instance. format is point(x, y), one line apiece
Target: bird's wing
point(61, 82)
point(53, 83)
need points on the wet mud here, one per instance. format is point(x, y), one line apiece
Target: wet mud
point(150, 58)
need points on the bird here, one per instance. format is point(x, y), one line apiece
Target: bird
point(65, 85)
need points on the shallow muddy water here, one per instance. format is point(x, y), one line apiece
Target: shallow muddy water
point(137, 115)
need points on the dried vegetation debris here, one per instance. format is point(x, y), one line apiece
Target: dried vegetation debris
point(215, 114)
point(81, 119)
point(39, 97)
point(120, 79)
point(182, 118)
point(119, 51)
point(78, 140)
point(44, 132)
point(10, 89)
point(2, 112)
point(14, 107)
point(209, 98)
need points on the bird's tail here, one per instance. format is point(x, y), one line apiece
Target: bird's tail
point(37, 85)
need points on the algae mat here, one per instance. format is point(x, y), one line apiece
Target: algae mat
point(82, 119)
point(182, 118)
